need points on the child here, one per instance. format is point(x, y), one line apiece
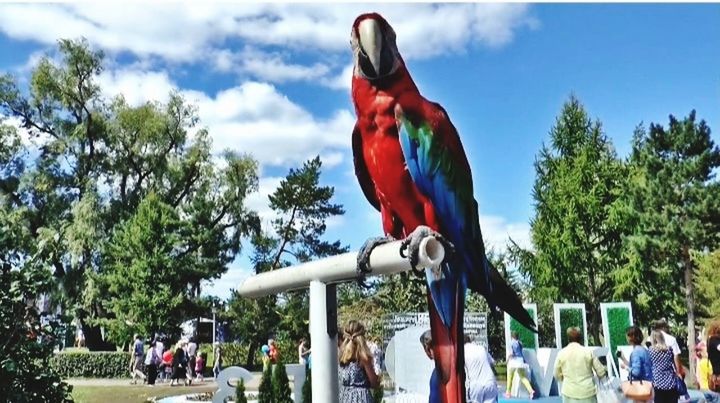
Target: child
point(167, 358)
point(200, 366)
point(704, 368)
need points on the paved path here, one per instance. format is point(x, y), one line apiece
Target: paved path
point(250, 386)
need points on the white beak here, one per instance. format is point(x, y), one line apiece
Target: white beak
point(371, 41)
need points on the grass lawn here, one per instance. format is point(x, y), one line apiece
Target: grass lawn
point(131, 393)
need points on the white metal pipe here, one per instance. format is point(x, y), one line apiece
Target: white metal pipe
point(385, 259)
point(324, 348)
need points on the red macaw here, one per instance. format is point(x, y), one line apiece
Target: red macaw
point(413, 169)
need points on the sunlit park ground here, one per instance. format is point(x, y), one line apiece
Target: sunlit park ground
point(126, 393)
point(121, 391)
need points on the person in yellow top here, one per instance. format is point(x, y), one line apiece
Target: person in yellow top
point(704, 367)
point(574, 367)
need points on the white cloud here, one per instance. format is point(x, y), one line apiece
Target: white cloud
point(497, 231)
point(252, 117)
point(257, 117)
point(341, 81)
point(201, 32)
point(136, 86)
point(267, 66)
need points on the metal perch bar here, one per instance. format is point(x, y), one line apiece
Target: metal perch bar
point(385, 259)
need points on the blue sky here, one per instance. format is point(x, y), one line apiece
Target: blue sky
point(273, 80)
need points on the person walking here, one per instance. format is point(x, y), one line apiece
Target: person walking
point(192, 348)
point(574, 367)
point(357, 373)
point(151, 364)
point(179, 365)
point(480, 384)
point(704, 368)
point(166, 367)
point(671, 342)
point(640, 365)
point(516, 365)
point(217, 359)
point(663, 369)
point(713, 352)
point(136, 360)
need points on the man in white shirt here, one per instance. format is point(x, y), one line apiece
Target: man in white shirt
point(480, 375)
point(670, 341)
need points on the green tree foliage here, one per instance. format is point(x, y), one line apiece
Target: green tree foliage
point(281, 385)
point(673, 205)
point(146, 273)
point(25, 371)
point(301, 206)
point(307, 387)
point(95, 160)
point(576, 237)
point(240, 392)
point(707, 285)
point(26, 348)
point(265, 390)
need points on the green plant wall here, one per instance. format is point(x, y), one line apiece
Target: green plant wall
point(526, 336)
point(618, 322)
point(570, 317)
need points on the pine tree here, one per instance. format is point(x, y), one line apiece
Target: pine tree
point(307, 387)
point(265, 391)
point(674, 206)
point(707, 285)
point(240, 392)
point(576, 240)
point(281, 385)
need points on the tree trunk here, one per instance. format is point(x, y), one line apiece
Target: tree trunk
point(690, 300)
point(93, 338)
point(594, 330)
point(250, 360)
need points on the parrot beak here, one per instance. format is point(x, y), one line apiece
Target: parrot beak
point(370, 37)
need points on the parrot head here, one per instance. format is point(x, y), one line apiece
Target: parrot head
point(374, 49)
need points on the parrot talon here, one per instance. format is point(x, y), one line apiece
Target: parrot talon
point(363, 257)
point(410, 247)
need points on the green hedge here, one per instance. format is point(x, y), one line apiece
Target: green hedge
point(525, 335)
point(570, 317)
point(92, 364)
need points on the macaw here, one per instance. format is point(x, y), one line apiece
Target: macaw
point(412, 168)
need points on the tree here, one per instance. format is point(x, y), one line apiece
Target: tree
point(96, 160)
point(146, 274)
point(307, 387)
point(265, 390)
point(25, 371)
point(575, 235)
point(495, 319)
point(707, 287)
point(673, 202)
point(281, 385)
point(240, 392)
point(301, 206)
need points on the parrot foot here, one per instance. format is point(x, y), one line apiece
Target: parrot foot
point(363, 257)
point(410, 247)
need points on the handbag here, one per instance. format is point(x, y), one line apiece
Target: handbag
point(606, 393)
point(680, 386)
point(638, 390)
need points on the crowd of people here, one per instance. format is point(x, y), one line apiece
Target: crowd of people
point(653, 366)
point(161, 362)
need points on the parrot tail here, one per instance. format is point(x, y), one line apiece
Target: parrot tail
point(505, 298)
